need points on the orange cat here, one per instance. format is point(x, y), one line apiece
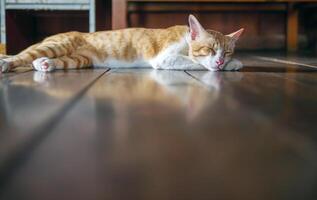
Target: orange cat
point(177, 47)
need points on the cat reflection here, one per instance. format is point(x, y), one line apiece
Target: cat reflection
point(174, 89)
point(171, 90)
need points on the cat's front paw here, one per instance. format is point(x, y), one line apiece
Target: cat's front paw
point(233, 65)
point(44, 64)
point(4, 66)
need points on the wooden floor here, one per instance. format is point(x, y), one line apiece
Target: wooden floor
point(153, 134)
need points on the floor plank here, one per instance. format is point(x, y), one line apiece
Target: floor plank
point(302, 61)
point(30, 105)
point(290, 61)
point(147, 134)
point(272, 64)
point(285, 99)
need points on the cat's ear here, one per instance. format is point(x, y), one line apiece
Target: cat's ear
point(236, 35)
point(195, 27)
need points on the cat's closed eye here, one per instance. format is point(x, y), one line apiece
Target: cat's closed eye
point(204, 51)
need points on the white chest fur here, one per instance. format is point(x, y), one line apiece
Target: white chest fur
point(177, 48)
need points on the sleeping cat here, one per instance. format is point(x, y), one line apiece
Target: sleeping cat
point(175, 48)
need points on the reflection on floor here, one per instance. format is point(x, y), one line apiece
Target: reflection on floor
point(155, 134)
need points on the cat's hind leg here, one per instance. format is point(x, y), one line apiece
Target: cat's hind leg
point(74, 61)
point(27, 56)
point(52, 47)
point(81, 58)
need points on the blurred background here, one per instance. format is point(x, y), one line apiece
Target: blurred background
point(271, 25)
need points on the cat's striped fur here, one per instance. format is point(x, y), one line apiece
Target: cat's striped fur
point(177, 47)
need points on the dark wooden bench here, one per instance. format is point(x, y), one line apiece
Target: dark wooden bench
point(120, 9)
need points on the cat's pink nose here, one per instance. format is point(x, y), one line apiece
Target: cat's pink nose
point(220, 62)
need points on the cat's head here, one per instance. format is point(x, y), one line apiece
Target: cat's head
point(210, 48)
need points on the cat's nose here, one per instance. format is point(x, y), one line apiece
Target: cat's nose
point(220, 61)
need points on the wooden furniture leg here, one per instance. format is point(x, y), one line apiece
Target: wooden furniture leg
point(2, 27)
point(92, 16)
point(292, 28)
point(119, 14)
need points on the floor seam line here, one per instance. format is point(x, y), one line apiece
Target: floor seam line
point(197, 80)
